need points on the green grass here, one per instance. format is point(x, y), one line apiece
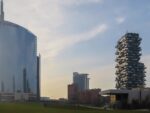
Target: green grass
point(37, 108)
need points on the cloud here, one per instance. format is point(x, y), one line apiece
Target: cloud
point(53, 48)
point(46, 19)
point(58, 86)
point(120, 19)
point(36, 13)
point(101, 74)
point(78, 2)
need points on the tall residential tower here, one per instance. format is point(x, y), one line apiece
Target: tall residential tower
point(130, 71)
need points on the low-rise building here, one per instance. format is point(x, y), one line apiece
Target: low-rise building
point(72, 93)
point(140, 96)
point(12, 97)
point(90, 97)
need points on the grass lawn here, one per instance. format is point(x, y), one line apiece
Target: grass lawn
point(37, 108)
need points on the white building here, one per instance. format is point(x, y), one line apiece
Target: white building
point(138, 94)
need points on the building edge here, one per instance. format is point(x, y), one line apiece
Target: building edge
point(38, 77)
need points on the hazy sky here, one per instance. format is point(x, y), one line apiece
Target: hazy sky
point(80, 35)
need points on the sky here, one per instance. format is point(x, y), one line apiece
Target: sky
point(80, 36)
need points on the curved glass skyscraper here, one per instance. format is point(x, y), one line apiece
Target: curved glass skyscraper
point(18, 58)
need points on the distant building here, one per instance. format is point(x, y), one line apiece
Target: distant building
point(90, 97)
point(73, 93)
point(18, 96)
point(81, 80)
point(79, 92)
point(130, 71)
point(45, 99)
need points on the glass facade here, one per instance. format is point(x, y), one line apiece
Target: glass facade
point(81, 80)
point(18, 59)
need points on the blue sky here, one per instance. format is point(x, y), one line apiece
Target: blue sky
point(80, 35)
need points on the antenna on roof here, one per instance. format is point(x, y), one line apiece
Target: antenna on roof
point(1, 11)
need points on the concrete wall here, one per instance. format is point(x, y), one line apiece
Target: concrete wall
point(139, 95)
